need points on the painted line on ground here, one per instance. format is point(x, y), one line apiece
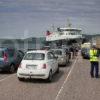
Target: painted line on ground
point(61, 89)
point(7, 77)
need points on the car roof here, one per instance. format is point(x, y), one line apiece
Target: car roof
point(58, 49)
point(7, 48)
point(1, 48)
point(37, 51)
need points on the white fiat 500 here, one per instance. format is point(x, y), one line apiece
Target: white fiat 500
point(38, 64)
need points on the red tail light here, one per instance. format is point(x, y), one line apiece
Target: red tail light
point(19, 65)
point(44, 66)
point(5, 57)
point(15, 55)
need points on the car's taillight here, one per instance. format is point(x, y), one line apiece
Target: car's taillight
point(20, 65)
point(15, 56)
point(44, 66)
point(5, 57)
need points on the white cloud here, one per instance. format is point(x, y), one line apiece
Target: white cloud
point(37, 15)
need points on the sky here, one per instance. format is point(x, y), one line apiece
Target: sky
point(26, 18)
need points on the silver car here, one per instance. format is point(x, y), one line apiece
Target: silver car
point(63, 58)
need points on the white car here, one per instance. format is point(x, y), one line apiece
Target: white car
point(38, 64)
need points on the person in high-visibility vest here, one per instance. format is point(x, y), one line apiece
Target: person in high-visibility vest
point(94, 71)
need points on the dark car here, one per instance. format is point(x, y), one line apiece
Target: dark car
point(21, 53)
point(67, 49)
point(85, 53)
point(10, 59)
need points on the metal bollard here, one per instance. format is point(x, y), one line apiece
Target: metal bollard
point(71, 55)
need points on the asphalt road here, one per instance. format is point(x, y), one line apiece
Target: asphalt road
point(12, 89)
point(72, 83)
point(4, 75)
point(79, 85)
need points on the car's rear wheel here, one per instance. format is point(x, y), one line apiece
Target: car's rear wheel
point(50, 77)
point(20, 79)
point(12, 69)
point(65, 63)
point(58, 69)
point(68, 58)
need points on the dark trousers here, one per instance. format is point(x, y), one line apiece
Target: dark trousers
point(94, 69)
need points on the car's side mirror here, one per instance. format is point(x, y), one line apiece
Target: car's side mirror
point(56, 57)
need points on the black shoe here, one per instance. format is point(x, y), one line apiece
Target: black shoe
point(96, 76)
point(92, 76)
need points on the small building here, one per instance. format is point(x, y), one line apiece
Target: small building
point(23, 44)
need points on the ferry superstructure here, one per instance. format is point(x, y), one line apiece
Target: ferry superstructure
point(66, 33)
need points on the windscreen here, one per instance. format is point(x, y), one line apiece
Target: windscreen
point(58, 52)
point(88, 49)
point(34, 56)
point(1, 54)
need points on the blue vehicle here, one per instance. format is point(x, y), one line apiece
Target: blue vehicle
point(85, 53)
point(10, 59)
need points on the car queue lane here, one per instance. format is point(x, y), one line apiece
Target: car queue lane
point(12, 89)
point(80, 85)
point(4, 75)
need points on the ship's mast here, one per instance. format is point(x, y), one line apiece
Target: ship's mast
point(68, 23)
point(53, 27)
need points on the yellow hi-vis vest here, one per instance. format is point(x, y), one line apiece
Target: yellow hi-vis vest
point(93, 56)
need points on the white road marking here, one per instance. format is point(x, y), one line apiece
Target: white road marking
point(61, 89)
point(7, 77)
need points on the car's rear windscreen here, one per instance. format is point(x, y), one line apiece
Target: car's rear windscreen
point(34, 56)
point(1, 54)
point(58, 52)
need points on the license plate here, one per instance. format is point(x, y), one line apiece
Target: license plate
point(31, 66)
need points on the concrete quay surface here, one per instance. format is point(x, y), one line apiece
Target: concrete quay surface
point(72, 83)
point(79, 85)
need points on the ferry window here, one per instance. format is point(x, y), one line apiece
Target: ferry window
point(72, 33)
point(58, 29)
point(66, 33)
point(60, 33)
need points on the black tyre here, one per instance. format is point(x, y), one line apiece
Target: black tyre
point(12, 69)
point(20, 79)
point(58, 69)
point(68, 59)
point(50, 77)
point(65, 64)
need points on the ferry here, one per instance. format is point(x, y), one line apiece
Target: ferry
point(66, 33)
point(64, 37)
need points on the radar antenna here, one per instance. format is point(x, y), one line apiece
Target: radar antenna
point(53, 27)
point(69, 23)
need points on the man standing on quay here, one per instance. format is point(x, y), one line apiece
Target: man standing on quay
point(94, 60)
